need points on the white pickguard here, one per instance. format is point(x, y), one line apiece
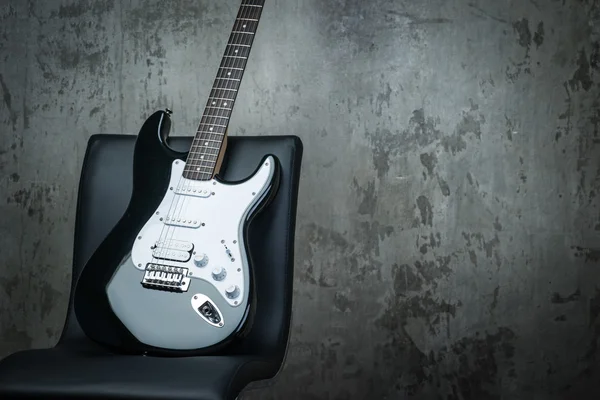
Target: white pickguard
point(210, 216)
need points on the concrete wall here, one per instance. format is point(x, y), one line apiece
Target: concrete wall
point(448, 221)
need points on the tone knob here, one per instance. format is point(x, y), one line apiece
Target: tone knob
point(219, 273)
point(200, 260)
point(232, 292)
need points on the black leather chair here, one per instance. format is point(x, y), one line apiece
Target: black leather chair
point(79, 368)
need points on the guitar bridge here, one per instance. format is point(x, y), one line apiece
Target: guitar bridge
point(167, 278)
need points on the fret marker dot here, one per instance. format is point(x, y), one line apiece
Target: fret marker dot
point(244, 26)
point(198, 169)
point(210, 128)
point(201, 156)
point(224, 104)
point(206, 143)
point(229, 73)
point(236, 51)
point(214, 102)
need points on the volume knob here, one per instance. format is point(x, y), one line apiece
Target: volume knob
point(219, 273)
point(232, 292)
point(200, 260)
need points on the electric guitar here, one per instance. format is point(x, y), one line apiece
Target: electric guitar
point(175, 275)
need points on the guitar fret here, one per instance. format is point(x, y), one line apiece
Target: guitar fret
point(199, 155)
point(198, 166)
point(202, 146)
point(247, 33)
point(231, 75)
point(213, 127)
point(197, 169)
point(250, 5)
point(219, 98)
point(212, 116)
point(220, 108)
point(210, 147)
point(202, 159)
point(237, 69)
point(210, 132)
point(247, 19)
point(206, 123)
point(242, 41)
point(215, 114)
point(236, 63)
point(199, 160)
point(233, 63)
point(236, 57)
point(234, 90)
point(207, 140)
point(198, 151)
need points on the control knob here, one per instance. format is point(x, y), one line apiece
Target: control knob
point(232, 292)
point(219, 273)
point(200, 260)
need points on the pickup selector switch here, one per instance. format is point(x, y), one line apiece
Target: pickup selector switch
point(219, 273)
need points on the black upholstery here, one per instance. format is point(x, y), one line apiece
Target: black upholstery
point(78, 368)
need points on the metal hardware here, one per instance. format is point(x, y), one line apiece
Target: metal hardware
point(232, 292)
point(170, 254)
point(164, 277)
point(219, 273)
point(200, 260)
point(208, 310)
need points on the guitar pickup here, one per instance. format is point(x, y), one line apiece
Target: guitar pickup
point(170, 254)
point(183, 222)
point(176, 245)
point(191, 188)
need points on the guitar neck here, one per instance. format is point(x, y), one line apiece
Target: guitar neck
point(208, 143)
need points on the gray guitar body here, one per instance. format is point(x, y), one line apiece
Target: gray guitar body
point(175, 274)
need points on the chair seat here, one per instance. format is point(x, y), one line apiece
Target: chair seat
point(62, 372)
point(80, 368)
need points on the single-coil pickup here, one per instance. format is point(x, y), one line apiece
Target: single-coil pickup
point(182, 221)
point(163, 253)
point(192, 189)
point(176, 245)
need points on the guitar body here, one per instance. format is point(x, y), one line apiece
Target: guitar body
point(175, 275)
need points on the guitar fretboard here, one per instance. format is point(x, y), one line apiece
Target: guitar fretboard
point(206, 146)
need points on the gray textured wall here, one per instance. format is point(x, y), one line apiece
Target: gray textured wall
point(448, 222)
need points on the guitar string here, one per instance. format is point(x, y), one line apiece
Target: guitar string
point(199, 159)
point(170, 230)
point(220, 94)
point(213, 119)
point(196, 152)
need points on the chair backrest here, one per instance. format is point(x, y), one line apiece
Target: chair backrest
point(104, 193)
